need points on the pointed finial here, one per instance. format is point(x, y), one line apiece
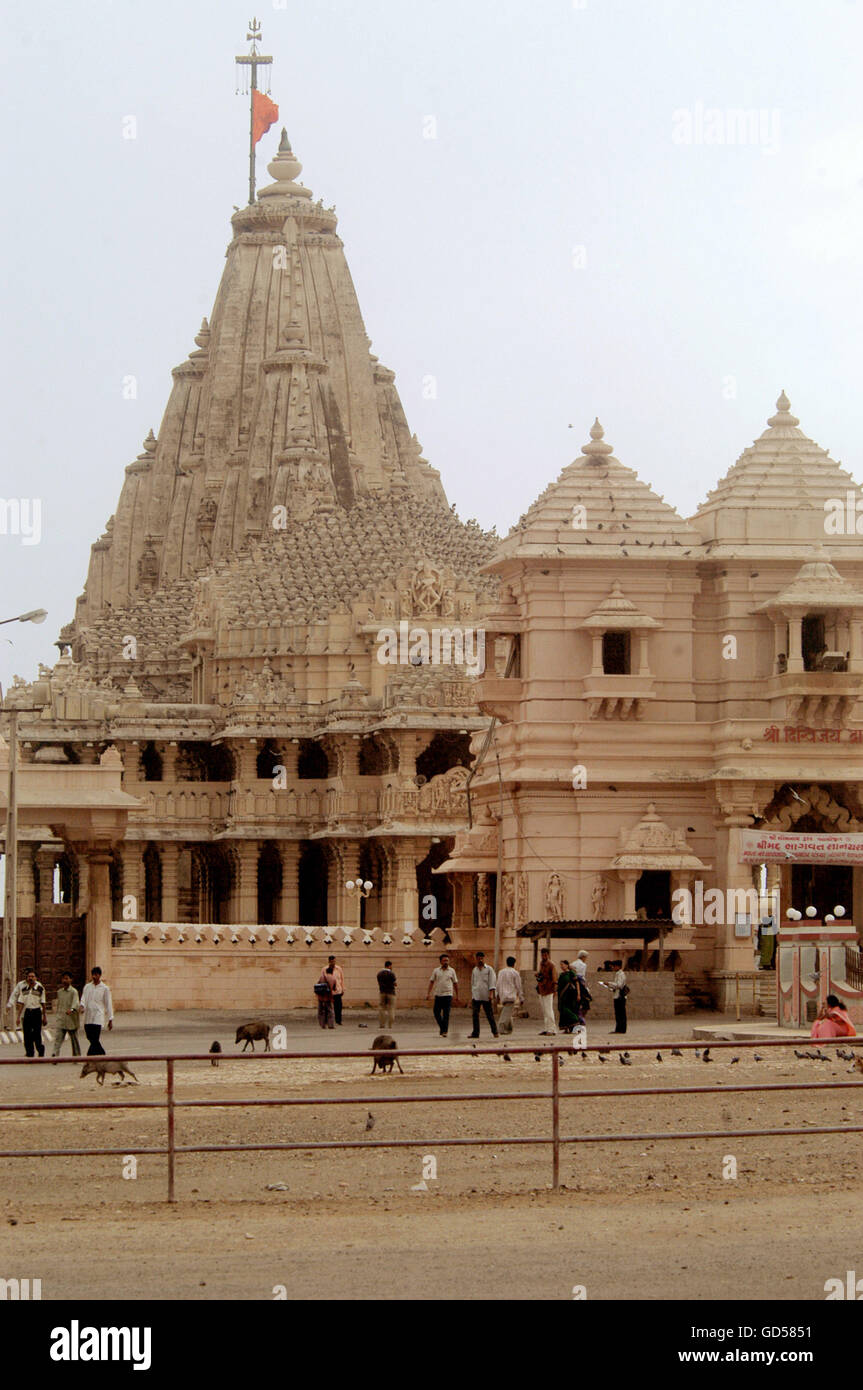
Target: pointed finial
point(284, 143)
point(783, 414)
point(202, 337)
point(150, 443)
point(596, 448)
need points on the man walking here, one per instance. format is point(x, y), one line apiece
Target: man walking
point(509, 992)
point(98, 1011)
point(338, 988)
point(66, 1021)
point(546, 985)
point(387, 1003)
point(619, 990)
point(482, 991)
point(28, 998)
point(444, 983)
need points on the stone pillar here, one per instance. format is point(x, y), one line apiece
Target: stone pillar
point(348, 868)
point(855, 662)
point(133, 881)
point(169, 853)
point(643, 666)
point(25, 883)
point(246, 759)
point(350, 757)
point(795, 644)
point(629, 878)
point(289, 901)
point(169, 752)
point(245, 895)
point(681, 880)
point(406, 904)
point(596, 652)
point(45, 861)
point(733, 953)
point(99, 912)
point(778, 642)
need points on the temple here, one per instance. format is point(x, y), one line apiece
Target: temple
point(615, 729)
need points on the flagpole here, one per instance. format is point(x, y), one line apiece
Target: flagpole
point(253, 61)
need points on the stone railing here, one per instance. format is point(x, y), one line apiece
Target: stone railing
point(230, 936)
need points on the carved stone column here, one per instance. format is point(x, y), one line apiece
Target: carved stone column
point(169, 752)
point(169, 853)
point(246, 761)
point(795, 643)
point(45, 861)
point(289, 900)
point(133, 880)
point(245, 895)
point(99, 912)
point(629, 878)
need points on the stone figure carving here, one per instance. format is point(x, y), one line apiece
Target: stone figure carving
point(522, 897)
point(148, 566)
point(508, 899)
point(447, 604)
point(554, 898)
point(427, 588)
point(207, 512)
point(598, 897)
point(483, 901)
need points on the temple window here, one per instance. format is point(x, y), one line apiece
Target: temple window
point(813, 641)
point(617, 653)
point(312, 764)
point(446, 750)
point(267, 761)
point(151, 763)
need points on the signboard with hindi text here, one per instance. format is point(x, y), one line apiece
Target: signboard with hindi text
point(778, 847)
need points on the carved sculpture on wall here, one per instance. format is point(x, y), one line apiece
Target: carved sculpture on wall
point(554, 898)
point(426, 588)
point(508, 900)
point(483, 901)
point(522, 897)
point(598, 897)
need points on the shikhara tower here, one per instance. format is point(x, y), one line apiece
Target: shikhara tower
point(226, 645)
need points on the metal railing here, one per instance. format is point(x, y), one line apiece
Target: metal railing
point(170, 1104)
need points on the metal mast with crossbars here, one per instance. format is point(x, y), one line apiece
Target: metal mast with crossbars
point(249, 63)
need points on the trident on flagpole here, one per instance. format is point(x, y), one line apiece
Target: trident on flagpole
point(253, 61)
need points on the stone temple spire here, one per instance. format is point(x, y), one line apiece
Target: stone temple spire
point(283, 363)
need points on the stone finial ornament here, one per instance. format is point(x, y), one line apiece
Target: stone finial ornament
point(783, 414)
point(597, 448)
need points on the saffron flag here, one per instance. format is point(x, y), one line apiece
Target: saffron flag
point(264, 114)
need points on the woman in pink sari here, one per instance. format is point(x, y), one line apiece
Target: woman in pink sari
point(833, 1021)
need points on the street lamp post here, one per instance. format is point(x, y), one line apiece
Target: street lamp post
point(9, 970)
point(359, 890)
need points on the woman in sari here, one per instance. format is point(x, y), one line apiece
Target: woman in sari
point(569, 998)
point(833, 1021)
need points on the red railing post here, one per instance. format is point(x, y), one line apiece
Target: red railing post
point(555, 1119)
point(170, 1108)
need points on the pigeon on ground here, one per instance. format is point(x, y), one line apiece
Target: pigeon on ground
point(698, 1054)
point(799, 1054)
point(506, 1057)
point(625, 1061)
point(537, 1057)
point(659, 1056)
point(675, 1052)
point(734, 1059)
point(858, 1063)
point(756, 1057)
point(370, 1120)
point(583, 1055)
point(705, 1056)
point(602, 1057)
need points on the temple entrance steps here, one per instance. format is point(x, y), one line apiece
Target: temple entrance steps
point(690, 993)
point(765, 994)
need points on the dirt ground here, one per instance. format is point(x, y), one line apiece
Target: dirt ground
point(649, 1219)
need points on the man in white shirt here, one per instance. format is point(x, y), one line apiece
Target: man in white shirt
point(98, 1010)
point(444, 983)
point(619, 992)
point(28, 997)
point(483, 984)
point(510, 992)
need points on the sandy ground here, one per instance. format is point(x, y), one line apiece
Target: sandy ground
point(649, 1219)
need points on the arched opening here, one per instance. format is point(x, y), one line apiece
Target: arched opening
point(653, 895)
point(205, 762)
point(212, 880)
point(269, 884)
point(446, 750)
point(312, 877)
point(374, 759)
point(616, 653)
point(151, 763)
point(434, 891)
point(152, 885)
point(268, 759)
point(812, 640)
point(312, 764)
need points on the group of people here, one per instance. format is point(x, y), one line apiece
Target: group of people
point(30, 1001)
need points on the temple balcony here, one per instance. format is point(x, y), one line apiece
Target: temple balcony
point(816, 697)
point(617, 697)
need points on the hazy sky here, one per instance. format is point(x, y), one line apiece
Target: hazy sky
point(575, 240)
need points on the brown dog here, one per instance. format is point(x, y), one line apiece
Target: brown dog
point(385, 1051)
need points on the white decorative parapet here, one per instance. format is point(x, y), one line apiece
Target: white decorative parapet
point(228, 936)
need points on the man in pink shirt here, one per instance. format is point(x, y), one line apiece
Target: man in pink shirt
point(338, 989)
